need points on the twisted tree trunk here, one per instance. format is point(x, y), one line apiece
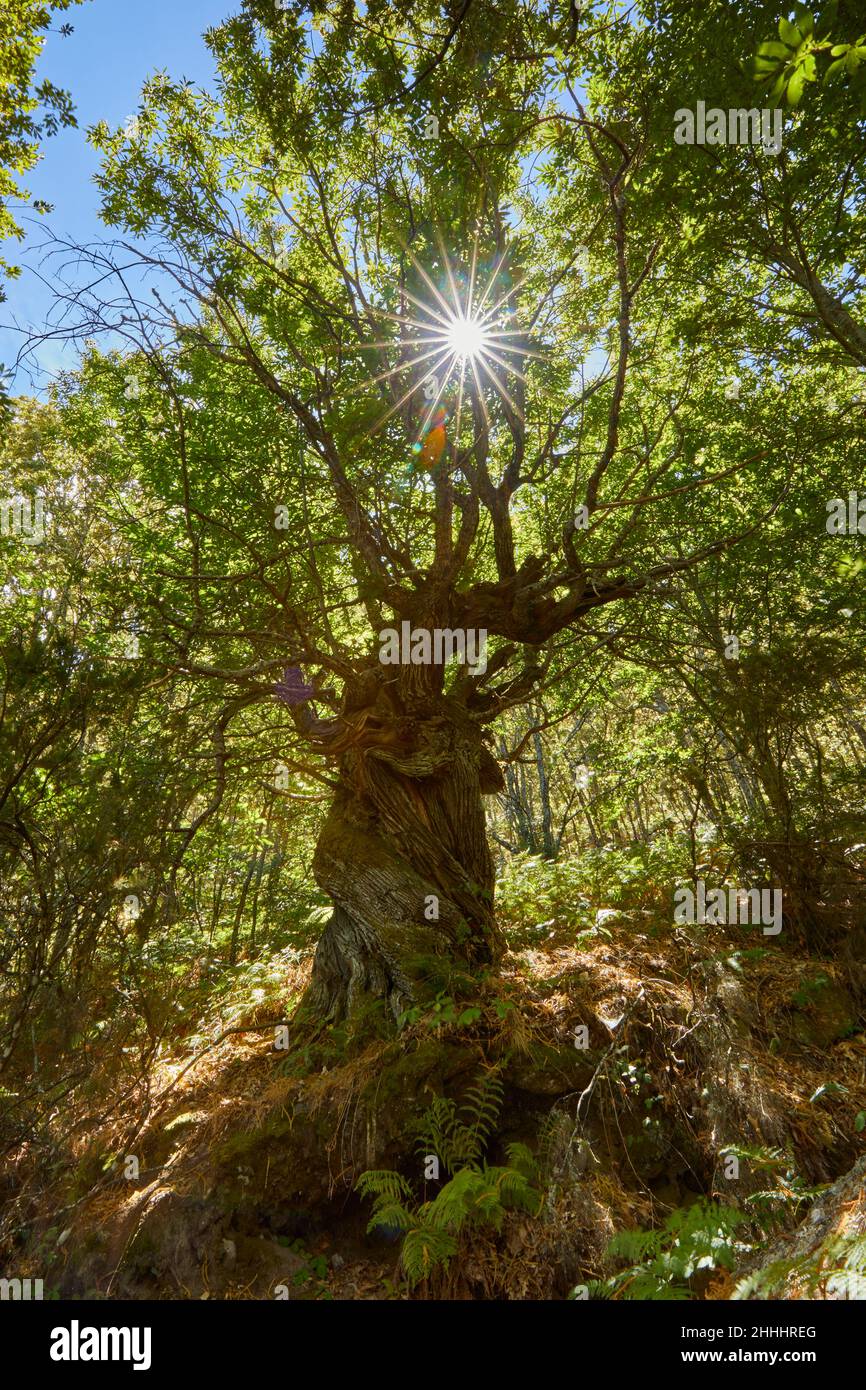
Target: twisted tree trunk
point(403, 853)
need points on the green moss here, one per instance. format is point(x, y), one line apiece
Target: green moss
point(824, 1013)
point(245, 1144)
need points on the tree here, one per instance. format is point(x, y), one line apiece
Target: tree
point(325, 231)
point(789, 216)
point(28, 111)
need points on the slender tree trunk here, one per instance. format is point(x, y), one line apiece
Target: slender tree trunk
point(239, 912)
point(548, 842)
point(254, 912)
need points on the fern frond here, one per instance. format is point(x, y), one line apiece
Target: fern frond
point(845, 1283)
point(423, 1249)
point(514, 1190)
point(762, 1282)
point(476, 1193)
point(442, 1133)
point(664, 1260)
point(837, 1267)
point(522, 1160)
point(758, 1157)
point(846, 1249)
point(391, 1214)
point(636, 1245)
point(456, 1202)
point(383, 1182)
point(482, 1106)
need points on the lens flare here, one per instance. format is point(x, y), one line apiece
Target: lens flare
point(462, 339)
point(467, 337)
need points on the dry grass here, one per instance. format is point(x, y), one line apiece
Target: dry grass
point(722, 1040)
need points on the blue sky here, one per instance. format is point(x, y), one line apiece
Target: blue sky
point(116, 44)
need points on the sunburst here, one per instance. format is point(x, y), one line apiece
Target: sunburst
point(460, 339)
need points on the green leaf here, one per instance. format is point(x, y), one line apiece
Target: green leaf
point(790, 34)
point(795, 87)
point(772, 49)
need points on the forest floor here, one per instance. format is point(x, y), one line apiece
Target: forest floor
point(646, 1066)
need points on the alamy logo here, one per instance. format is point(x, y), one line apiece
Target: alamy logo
point(21, 1290)
point(20, 517)
point(75, 1343)
point(719, 907)
point(421, 646)
point(738, 126)
point(847, 518)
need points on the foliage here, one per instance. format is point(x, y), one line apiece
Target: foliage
point(477, 1195)
point(444, 1012)
point(565, 893)
point(29, 111)
point(785, 67)
point(140, 642)
point(834, 1270)
point(312, 1275)
point(708, 1235)
point(770, 1207)
point(664, 1261)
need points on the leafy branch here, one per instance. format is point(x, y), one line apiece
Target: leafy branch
point(785, 65)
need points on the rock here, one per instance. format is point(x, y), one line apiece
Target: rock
point(173, 1236)
point(828, 1016)
point(550, 1071)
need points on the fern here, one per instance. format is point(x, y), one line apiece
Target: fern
point(424, 1249)
point(522, 1160)
point(770, 1206)
point(837, 1267)
point(663, 1261)
point(392, 1215)
point(390, 1192)
point(483, 1104)
point(477, 1194)
point(383, 1182)
point(443, 1134)
point(757, 1158)
point(458, 1142)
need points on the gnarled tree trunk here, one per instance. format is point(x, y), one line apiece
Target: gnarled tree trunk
point(403, 854)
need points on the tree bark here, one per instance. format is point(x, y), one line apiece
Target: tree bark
point(403, 856)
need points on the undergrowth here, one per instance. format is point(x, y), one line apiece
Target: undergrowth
point(477, 1194)
point(665, 1261)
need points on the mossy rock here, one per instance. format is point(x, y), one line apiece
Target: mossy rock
point(823, 1013)
point(419, 1073)
point(550, 1071)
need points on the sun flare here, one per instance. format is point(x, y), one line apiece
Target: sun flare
point(461, 338)
point(467, 337)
